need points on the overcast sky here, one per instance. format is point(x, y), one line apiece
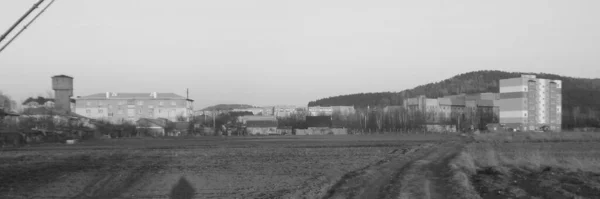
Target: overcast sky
point(266, 52)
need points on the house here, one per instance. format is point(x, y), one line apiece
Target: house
point(117, 107)
point(321, 125)
point(260, 125)
point(151, 127)
point(43, 102)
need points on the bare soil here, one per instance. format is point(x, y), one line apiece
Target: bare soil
point(407, 166)
point(545, 183)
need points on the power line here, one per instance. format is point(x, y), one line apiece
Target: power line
point(26, 25)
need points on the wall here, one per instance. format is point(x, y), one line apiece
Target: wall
point(322, 131)
point(261, 130)
point(116, 110)
point(284, 131)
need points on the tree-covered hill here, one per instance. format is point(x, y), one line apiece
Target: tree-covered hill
point(581, 96)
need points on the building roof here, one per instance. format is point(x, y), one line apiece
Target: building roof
point(258, 118)
point(41, 100)
point(134, 96)
point(318, 121)
point(7, 113)
point(261, 123)
point(62, 76)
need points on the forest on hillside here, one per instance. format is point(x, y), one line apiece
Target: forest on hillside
point(581, 96)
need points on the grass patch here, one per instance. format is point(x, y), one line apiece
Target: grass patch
point(461, 168)
point(572, 156)
point(538, 137)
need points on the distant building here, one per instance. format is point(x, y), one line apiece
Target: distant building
point(455, 107)
point(63, 91)
point(254, 111)
point(320, 110)
point(529, 103)
point(321, 125)
point(330, 110)
point(318, 121)
point(41, 102)
point(259, 125)
point(151, 127)
point(284, 111)
point(117, 107)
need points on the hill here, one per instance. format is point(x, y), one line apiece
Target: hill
point(219, 107)
point(581, 96)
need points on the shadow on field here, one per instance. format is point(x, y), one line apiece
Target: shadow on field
point(182, 190)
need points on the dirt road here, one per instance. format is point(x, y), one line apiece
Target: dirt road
point(420, 172)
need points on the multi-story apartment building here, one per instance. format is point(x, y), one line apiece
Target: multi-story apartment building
point(117, 107)
point(529, 103)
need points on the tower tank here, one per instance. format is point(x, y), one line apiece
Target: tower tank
point(63, 90)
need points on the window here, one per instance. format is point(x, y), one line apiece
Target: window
point(120, 112)
point(150, 106)
point(139, 111)
point(173, 103)
point(161, 103)
point(140, 103)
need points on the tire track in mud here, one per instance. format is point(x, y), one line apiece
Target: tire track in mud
point(114, 181)
point(355, 183)
point(411, 174)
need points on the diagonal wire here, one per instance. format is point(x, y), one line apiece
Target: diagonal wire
point(26, 25)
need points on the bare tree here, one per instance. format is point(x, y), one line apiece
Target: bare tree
point(49, 94)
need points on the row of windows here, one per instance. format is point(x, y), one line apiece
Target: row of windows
point(139, 103)
point(120, 111)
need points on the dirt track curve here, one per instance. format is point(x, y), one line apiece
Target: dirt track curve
point(419, 172)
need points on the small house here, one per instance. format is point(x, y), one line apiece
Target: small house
point(151, 127)
point(260, 125)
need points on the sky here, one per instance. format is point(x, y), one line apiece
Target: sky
point(273, 52)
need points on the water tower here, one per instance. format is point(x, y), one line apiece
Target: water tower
point(63, 90)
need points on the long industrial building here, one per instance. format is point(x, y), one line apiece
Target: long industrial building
point(529, 103)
